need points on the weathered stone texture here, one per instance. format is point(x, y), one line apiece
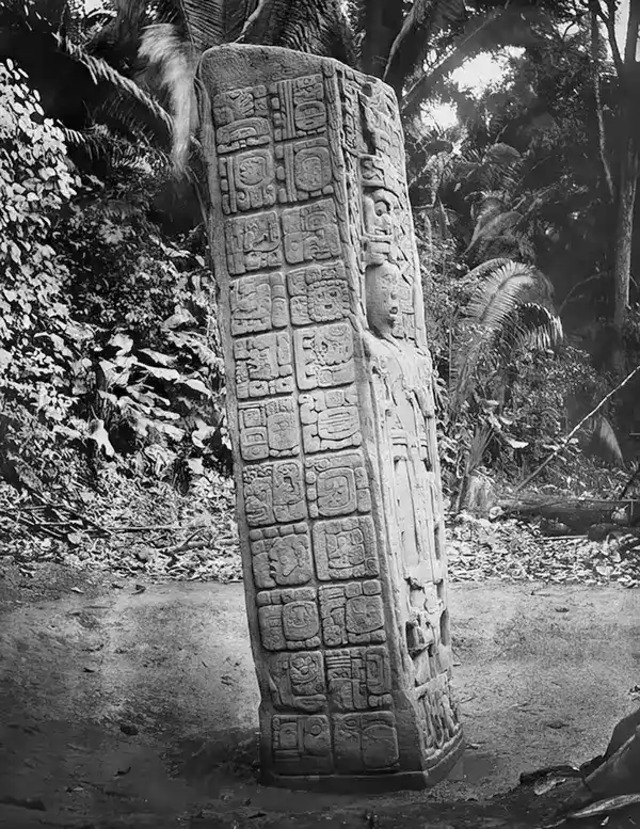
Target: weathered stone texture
point(332, 419)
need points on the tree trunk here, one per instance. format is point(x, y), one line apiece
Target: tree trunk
point(624, 232)
point(382, 23)
point(627, 67)
point(602, 139)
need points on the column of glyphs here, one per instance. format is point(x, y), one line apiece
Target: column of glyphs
point(330, 404)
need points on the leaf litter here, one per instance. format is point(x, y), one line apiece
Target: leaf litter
point(514, 550)
point(153, 531)
point(126, 529)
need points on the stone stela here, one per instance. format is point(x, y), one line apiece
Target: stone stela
point(331, 416)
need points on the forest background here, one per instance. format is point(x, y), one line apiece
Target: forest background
point(113, 445)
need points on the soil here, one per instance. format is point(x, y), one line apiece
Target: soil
point(126, 702)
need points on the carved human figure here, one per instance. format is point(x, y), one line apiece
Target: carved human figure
point(382, 282)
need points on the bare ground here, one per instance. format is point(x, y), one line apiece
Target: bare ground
point(129, 703)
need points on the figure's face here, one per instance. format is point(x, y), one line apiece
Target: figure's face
point(382, 282)
point(282, 561)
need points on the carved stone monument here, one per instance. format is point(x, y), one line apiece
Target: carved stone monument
point(332, 419)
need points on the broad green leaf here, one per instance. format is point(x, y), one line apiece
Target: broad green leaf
point(123, 342)
point(179, 318)
point(168, 374)
point(197, 385)
point(157, 357)
point(100, 436)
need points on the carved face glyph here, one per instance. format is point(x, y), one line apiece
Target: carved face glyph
point(286, 557)
point(382, 285)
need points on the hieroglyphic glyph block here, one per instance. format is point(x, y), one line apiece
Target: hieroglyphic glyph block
point(330, 419)
point(268, 428)
point(297, 682)
point(324, 355)
point(289, 619)
point(281, 555)
point(359, 679)
point(302, 744)
point(258, 303)
point(345, 548)
point(319, 293)
point(263, 365)
point(273, 493)
point(332, 422)
point(352, 613)
point(366, 742)
point(253, 242)
point(310, 232)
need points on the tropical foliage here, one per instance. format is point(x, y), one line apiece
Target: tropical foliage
point(108, 338)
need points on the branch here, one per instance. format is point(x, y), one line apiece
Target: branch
point(416, 93)
point(609, 22)
point(499, 27)
point(576, 287)
point(602, 140)
point(575, 429)
point(152, 527)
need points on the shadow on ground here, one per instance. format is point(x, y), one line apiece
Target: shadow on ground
point(135, 704)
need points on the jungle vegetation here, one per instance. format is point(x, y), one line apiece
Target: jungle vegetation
point(524, 204)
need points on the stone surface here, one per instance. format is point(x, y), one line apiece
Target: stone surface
point(332, 420)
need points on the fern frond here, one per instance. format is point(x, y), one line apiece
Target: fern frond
point(95, 143)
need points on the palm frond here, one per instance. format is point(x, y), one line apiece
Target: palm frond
point(415, 39)
point(165, 49)
point(100, 70)
point(501, 168)
point(509, 285)
point(605, 442)
point(532, 326)
point(315, 26)
point(502, 154)
point(492, 226)
point(99, 144)
point(207, 23)
point(480, 271)
point(75, 86)
point(236, 14)
point(495, 302)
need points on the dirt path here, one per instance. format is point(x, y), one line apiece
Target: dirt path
point(124, 706)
